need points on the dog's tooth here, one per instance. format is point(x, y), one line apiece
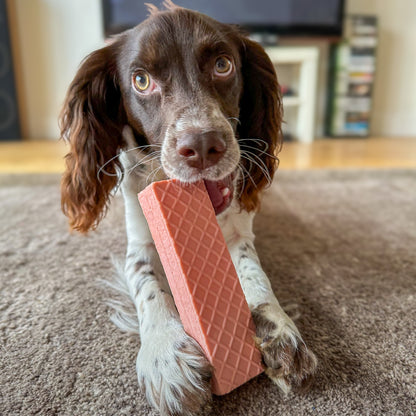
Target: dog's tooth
point(225, 191)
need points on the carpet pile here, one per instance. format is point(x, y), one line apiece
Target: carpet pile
point(340, 250)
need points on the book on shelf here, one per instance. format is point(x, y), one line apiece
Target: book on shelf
point(351, 79)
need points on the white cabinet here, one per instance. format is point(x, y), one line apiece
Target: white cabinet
point(301, 63)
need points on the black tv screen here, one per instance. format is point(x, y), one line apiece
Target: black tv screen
point(281, 17)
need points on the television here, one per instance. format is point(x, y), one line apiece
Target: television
point(294, 18)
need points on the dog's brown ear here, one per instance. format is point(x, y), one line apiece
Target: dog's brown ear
point(91, 121)
point(261, 115)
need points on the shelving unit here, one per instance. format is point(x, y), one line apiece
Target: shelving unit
point(351, 80)
point(301, 63)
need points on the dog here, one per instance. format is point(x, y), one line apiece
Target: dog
point(181, 96)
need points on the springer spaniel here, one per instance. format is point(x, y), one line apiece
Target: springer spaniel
point(181, 96)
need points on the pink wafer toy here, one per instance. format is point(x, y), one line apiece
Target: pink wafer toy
point(203, 279)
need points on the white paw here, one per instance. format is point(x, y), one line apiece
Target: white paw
point(288, 361)
point(174, 372)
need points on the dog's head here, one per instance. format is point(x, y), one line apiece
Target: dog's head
point(198, 90)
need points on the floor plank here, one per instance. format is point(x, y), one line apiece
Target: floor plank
point(47, 156)
point(32, 157)
point(350, 153)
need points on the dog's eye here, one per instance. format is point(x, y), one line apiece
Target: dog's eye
point(143, 83)
point(223, 66)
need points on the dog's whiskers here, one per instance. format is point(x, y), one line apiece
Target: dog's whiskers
point(241, 180)
point(247, 174)
point(235, 119)
point(255, 139)
point(260, 152)
point(260, 163)
point(101, 169)
point(148, 159)
point(153, 174)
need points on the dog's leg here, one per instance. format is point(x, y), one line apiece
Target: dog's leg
point(171, 366)
point(288, 361)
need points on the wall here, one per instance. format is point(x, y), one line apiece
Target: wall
point(50, 38)
point(394, 111)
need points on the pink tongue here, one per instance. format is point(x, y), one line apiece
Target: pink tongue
point(215, 193)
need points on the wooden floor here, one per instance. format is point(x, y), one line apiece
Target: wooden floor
point(47, 156)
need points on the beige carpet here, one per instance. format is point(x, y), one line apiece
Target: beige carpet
point(340, 245)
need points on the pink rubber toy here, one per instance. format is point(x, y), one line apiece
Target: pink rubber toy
point(203, 280)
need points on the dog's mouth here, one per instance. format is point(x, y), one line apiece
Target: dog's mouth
point(220, 193)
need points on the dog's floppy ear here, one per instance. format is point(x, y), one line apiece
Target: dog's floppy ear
point(261, 114)
point(91, 121)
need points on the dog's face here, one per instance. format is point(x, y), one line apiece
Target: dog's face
point(182, 85)
point(196, 89)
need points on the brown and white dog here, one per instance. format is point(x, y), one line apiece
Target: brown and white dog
point(181, 96)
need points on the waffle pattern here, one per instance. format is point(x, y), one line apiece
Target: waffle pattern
point(203, 279)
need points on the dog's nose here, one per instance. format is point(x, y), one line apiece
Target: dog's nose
point(201, 149)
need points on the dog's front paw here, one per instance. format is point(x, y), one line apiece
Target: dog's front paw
point(288, 361)
point(174, 372)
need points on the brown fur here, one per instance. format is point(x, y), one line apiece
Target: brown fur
point(90, 122)
point(295, 365)
point(261, 115)
point(100, 102)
